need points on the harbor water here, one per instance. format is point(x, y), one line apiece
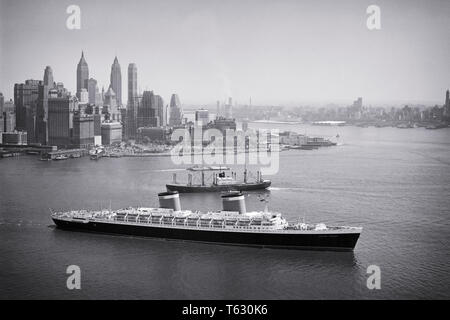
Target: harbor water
point(395, 183)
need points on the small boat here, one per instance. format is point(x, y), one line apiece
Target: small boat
point(61, 157)
point(97, 153)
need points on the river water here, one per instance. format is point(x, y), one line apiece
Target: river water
point(395, 183)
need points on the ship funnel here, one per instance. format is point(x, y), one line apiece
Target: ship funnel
point(234, 201)
point(169, 200)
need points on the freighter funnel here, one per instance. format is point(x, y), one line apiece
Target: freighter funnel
point(169, 200)
point(234, 201)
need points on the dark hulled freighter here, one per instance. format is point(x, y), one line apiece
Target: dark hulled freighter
point(220, 181)
point(232, 226)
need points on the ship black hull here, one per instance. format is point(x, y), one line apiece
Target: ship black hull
point(219, 188)
point(331, 242)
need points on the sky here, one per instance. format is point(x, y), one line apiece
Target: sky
point(282, 52)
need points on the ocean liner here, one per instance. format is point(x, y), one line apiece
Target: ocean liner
point(232, 226)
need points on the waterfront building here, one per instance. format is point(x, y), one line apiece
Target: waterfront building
point(202, 117)
point(82, 75)
point(97, 128)
point(83, 130)
point(116, 80)
point(8, 120)
point(222, 124)
point(176, 111)
point(42, 114)
point(16, 137)
point(60, 119)
point(153, 134)
point(25, 99)
point(111, 133)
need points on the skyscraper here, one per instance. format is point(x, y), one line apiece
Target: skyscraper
point(133, 103)
point(110, 105)
point(176, 111)
point(60, 120)
point(82, 75)
point(116, 80)
point(160, 110)
point(25, 99)
point(132, 82)
point(93, 91)
point(146, 113)
point(83, 130)
point(48, 77)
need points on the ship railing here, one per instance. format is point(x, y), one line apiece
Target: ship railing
point(210, 223)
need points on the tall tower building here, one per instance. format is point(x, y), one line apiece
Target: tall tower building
point(146, 113)
point(176, 111)
point(160, 110)
point(133, 102)
point(116, 81)
point(132, 82)
point(60, 120)
point(42, 106)
point(48, 77)
point(93, 92)
point(82, 75)
point(25, 99)
point(110, 105)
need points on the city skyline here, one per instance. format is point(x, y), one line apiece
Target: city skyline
point(303, 55)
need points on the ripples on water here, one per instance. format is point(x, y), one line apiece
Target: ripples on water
point(395, 183)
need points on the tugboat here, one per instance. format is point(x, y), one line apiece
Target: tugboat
point(231, 226)
point(220, 181)
point(97, 153)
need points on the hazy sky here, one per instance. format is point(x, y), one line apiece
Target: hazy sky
point(275, 51)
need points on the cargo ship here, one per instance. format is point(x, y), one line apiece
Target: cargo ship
point(219, 181)
point(231, 226)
